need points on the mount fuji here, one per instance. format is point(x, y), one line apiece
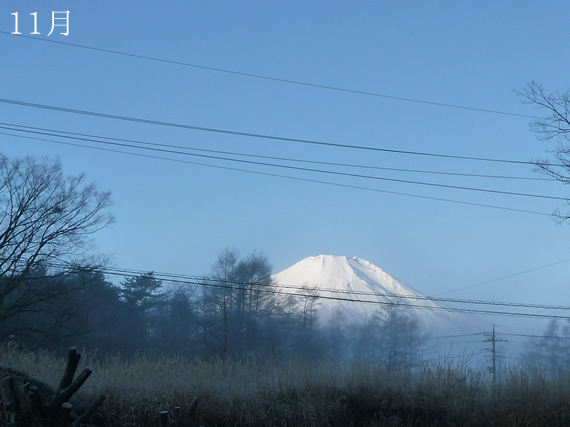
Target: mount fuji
point(357, 289)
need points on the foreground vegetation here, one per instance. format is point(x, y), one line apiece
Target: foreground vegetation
point(251, 392)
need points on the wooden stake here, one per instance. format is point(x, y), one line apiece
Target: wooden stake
point(163, 418)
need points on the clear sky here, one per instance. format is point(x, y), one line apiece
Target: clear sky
point(176, 217)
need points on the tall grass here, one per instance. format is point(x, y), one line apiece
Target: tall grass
point(259, 392)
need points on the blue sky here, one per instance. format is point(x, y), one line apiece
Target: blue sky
point(176, 217)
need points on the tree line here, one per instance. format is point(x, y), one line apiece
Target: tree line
point(228, 316)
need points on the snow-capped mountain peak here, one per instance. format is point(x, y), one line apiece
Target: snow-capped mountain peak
point(357, 288)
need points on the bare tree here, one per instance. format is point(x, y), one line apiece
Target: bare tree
point(554, 127)
point(46, 221)
point(310, 305)
point(391, 336)
point(252, 301)
point(224, 270)
point(550, 351)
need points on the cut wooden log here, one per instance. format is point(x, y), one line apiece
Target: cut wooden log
point(65, 414)
point(25, 397)
point(73, 358)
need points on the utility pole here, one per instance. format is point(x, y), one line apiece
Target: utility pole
point(493, 339)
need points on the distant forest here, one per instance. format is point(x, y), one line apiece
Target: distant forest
point(229, 315)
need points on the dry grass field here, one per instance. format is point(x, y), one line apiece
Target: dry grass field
point(298, 393)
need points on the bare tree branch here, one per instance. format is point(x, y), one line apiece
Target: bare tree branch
point(45, 220)
point(554, 127)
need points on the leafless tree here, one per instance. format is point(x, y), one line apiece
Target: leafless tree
point(46, 222)
point(309, 307)
point(554, 127)
point(551, 351)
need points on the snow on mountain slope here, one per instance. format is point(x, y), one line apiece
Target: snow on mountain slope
point(357, 279)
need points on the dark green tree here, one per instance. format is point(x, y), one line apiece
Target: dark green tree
point(144, 298)
point(180, 332)
point(97, 312)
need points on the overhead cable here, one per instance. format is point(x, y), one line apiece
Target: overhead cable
point(290, 167)
point(255, 135)
point(304, 292)
point(316, 181)
point(502, 278)
point(372, 302)
point(60, 133)
point(277, 79)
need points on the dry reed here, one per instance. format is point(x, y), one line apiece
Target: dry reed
point(255, 392)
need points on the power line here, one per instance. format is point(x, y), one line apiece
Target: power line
point(382, 303)
point(538, 336)
point(281, 80)
point(398, 296)
point(460, 356)
point(263, 287)
point(336, 184)
point(297, 168)
point(504, 277)
point(256, 135)
point(456, 336)
point(395, 296)
point(19, 128)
